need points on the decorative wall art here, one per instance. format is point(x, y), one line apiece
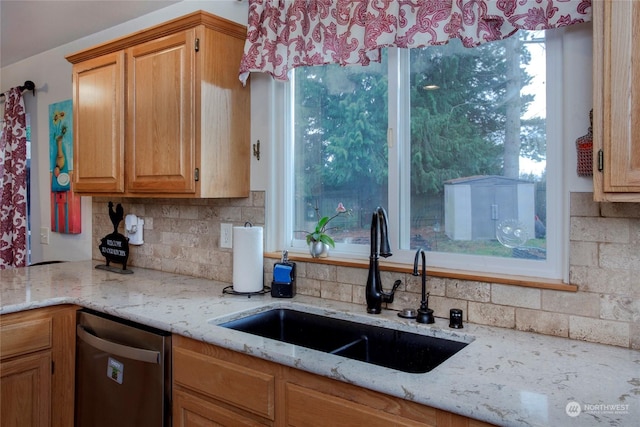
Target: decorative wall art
point(65, 204)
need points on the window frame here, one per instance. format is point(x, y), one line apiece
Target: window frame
point(280, 205)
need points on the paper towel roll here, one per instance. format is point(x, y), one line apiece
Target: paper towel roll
point(248, 275)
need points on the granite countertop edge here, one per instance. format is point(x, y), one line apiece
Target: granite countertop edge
point(504, 377)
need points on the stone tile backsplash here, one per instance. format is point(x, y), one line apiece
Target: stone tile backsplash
point(183, 236)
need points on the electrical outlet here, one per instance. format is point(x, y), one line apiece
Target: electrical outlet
point(226, 235)
point(44, 235)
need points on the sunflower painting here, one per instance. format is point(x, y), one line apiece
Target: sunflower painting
point(65, 204)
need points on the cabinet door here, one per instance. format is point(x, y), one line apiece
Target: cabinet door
point(160, 118)
point(25, 387)
point(98, 124)
point(617, 99)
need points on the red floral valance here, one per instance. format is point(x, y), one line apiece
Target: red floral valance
point(283, 34)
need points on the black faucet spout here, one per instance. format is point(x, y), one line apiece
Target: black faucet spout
point(380, 247)
point(425, 314)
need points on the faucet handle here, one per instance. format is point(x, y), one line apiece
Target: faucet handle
point(387, 297)
point(396, 285)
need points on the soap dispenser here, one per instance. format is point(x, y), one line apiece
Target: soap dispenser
point(284, 278)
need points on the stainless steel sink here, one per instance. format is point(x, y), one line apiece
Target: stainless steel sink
point(391, 348)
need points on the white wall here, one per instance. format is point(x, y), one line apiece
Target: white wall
point(577, 80)
point(52, 76)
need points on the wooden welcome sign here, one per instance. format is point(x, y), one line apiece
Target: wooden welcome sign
point(114, 246)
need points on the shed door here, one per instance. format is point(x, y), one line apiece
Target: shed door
point(491, 204)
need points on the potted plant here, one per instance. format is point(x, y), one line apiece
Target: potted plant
point(318, 239)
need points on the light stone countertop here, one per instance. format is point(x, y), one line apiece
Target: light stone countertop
point(503, 376)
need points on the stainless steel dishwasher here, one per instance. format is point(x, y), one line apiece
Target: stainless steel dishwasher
point(123, 373)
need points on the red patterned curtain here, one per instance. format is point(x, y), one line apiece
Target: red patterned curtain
point(284, 34)
point(13, 177)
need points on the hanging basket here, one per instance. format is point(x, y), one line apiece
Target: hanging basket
point(584, 147)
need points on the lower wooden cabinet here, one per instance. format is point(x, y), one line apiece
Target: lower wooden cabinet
point(37, 364)
point(25, 387)
point(218, 387)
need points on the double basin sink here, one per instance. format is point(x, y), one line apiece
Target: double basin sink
point(396, 349)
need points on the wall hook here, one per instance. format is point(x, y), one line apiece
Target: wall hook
point(256, 150)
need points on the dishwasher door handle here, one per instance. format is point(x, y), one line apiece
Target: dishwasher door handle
point(134, 353)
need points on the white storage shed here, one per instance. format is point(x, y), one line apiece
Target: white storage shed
point(475, 205)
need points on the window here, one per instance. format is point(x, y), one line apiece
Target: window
point(453, 142)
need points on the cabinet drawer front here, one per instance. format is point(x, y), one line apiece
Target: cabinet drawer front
point(25, 337)
point(237, 385)
point(305, 407)
point(189, 410)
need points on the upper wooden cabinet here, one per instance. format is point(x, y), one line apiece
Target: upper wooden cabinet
point(98, 125)
point(616, 84)
point(162, 113)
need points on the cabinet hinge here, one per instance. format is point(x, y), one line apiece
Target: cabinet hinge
point(197, 45)
point(600, 160)
point(53, 367)
point(196, 174)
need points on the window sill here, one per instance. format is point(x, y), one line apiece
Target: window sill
point(505, 279)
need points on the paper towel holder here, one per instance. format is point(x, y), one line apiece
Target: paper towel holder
point(230, 291)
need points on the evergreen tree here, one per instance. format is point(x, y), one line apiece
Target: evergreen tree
point(470, 125)
point(341, 128)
